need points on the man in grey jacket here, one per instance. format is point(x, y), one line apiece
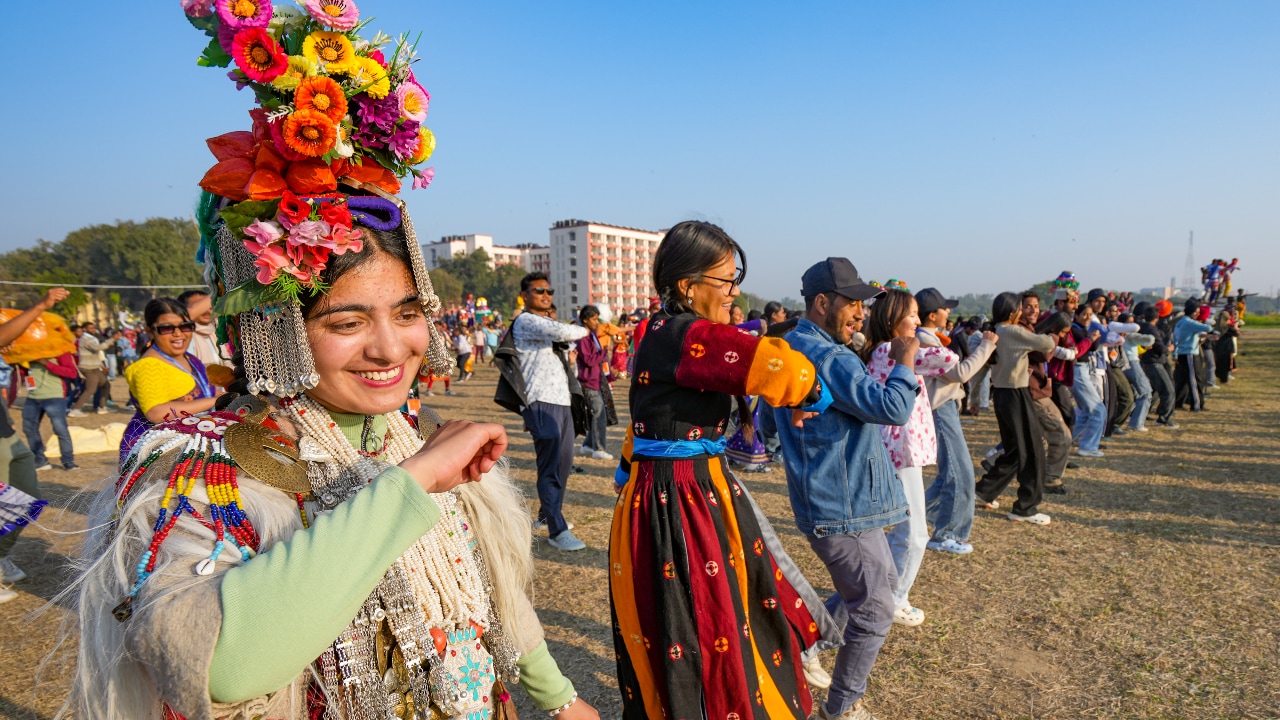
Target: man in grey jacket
point(949, 500)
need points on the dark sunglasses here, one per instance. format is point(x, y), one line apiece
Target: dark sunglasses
point(543, 291)
point(167, 329)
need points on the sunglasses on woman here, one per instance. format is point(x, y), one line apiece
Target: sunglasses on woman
point(167, 329)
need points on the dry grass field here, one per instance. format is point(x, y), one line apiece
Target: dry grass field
point(1155, 593)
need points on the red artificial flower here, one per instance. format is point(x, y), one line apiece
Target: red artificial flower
point(293, 210)
point(336, 213)
point(258, 55)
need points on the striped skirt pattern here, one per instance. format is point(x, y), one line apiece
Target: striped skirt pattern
point(705, 623)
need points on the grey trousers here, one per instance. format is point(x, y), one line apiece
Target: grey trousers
point(864, 575)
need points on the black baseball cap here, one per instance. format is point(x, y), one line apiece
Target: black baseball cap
point(1096, 293)
point(837, 275)
point(929, 299)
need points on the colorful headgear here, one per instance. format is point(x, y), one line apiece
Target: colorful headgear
point(1164, 308)
point(1066, 280)
point(896, 284)
point(338, 125)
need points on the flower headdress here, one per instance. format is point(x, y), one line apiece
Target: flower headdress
point(1066, 280)
point(896, 284)
point(336, 113)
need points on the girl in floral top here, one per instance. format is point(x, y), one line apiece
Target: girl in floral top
point(910, 446)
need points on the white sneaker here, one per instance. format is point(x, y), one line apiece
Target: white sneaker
point(567, 541)
point(1037, 519)
point(815, 675)
point(955, 547)
point(857, 712)
point(542, 525)
point(1090, 453)
point(584, 450)
point(600, 455)
point(103, 411)
point(45, 466)
point(6, 595)
point(10, 573)
point(76, 413)
point(908, 616)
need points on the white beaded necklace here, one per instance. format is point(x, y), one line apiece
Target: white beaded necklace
point(441, 565)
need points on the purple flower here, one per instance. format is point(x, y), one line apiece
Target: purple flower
point(369, 136)
point(404, 140)
point(382, 113)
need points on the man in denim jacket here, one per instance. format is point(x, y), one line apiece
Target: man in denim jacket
point(842, 484)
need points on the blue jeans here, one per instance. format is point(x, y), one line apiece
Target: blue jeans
point(552, 429)
point(949, 500)
point(33, 411)
point(864, 576)
point(1091, 411)
point(1141, 396)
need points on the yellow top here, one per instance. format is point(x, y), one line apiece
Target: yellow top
point(153, 382)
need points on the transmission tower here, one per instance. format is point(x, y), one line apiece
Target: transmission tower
point(1189, 276)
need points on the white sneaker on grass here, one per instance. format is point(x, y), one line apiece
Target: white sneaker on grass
point(600, 455)
point(908, 616)
point(1090, 453)
point(542, 525)
point(567, 541)
point(955, 547)
point(857, 712)
point(6, 595)
point(584, 450)
point(10, 573)
point(1037, 519)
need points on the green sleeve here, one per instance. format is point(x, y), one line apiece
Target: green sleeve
point(542, 679)
point(282, 608)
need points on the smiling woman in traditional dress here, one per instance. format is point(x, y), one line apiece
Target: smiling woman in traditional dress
point(304, 550)
point(710, 615)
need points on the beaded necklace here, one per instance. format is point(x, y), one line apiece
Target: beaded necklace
point(437, 593)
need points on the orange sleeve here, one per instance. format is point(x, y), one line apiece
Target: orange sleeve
point(782, 376)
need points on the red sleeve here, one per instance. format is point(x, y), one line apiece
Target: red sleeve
point(64, 366)
point(722, 358)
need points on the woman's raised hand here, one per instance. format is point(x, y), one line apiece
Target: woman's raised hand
point(579, 710)
point(460, 451)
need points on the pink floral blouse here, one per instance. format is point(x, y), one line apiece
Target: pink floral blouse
point(916, 443)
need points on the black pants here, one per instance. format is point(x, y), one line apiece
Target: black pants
point(1188, 382)
point(1119, 416)
point(1023, 454)
point(1066, 403)
point(552, 430)
point(1162, 389)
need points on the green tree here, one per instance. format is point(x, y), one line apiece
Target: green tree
point(447, 287)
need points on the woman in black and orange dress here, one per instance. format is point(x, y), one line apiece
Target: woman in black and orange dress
point(710, 615)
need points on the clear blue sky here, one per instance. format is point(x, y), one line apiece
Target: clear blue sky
point(973, 146)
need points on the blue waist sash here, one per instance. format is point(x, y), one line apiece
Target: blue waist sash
point(677, 448)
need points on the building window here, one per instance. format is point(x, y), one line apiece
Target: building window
point(574, 299)
point(573, 262)
point(573, 249)
point(573, 274)
point(573, 287)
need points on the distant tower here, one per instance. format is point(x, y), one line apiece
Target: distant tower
point(1189, 272)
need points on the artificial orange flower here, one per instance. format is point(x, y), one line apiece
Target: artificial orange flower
point(323, 95)
point(310, 132)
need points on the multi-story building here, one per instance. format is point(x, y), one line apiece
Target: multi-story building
point(604, 265)
point(537, 258)
point(452, 246)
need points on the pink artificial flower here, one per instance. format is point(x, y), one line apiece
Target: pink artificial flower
point(271, 260)
point(413, 100)
point(341, 15)
point(310, 232)
point(264, 232)
point(378, 57)
point(240, 14)
point(258, 55)
point(345, 239)
point(424, 178)
point(197, 8)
